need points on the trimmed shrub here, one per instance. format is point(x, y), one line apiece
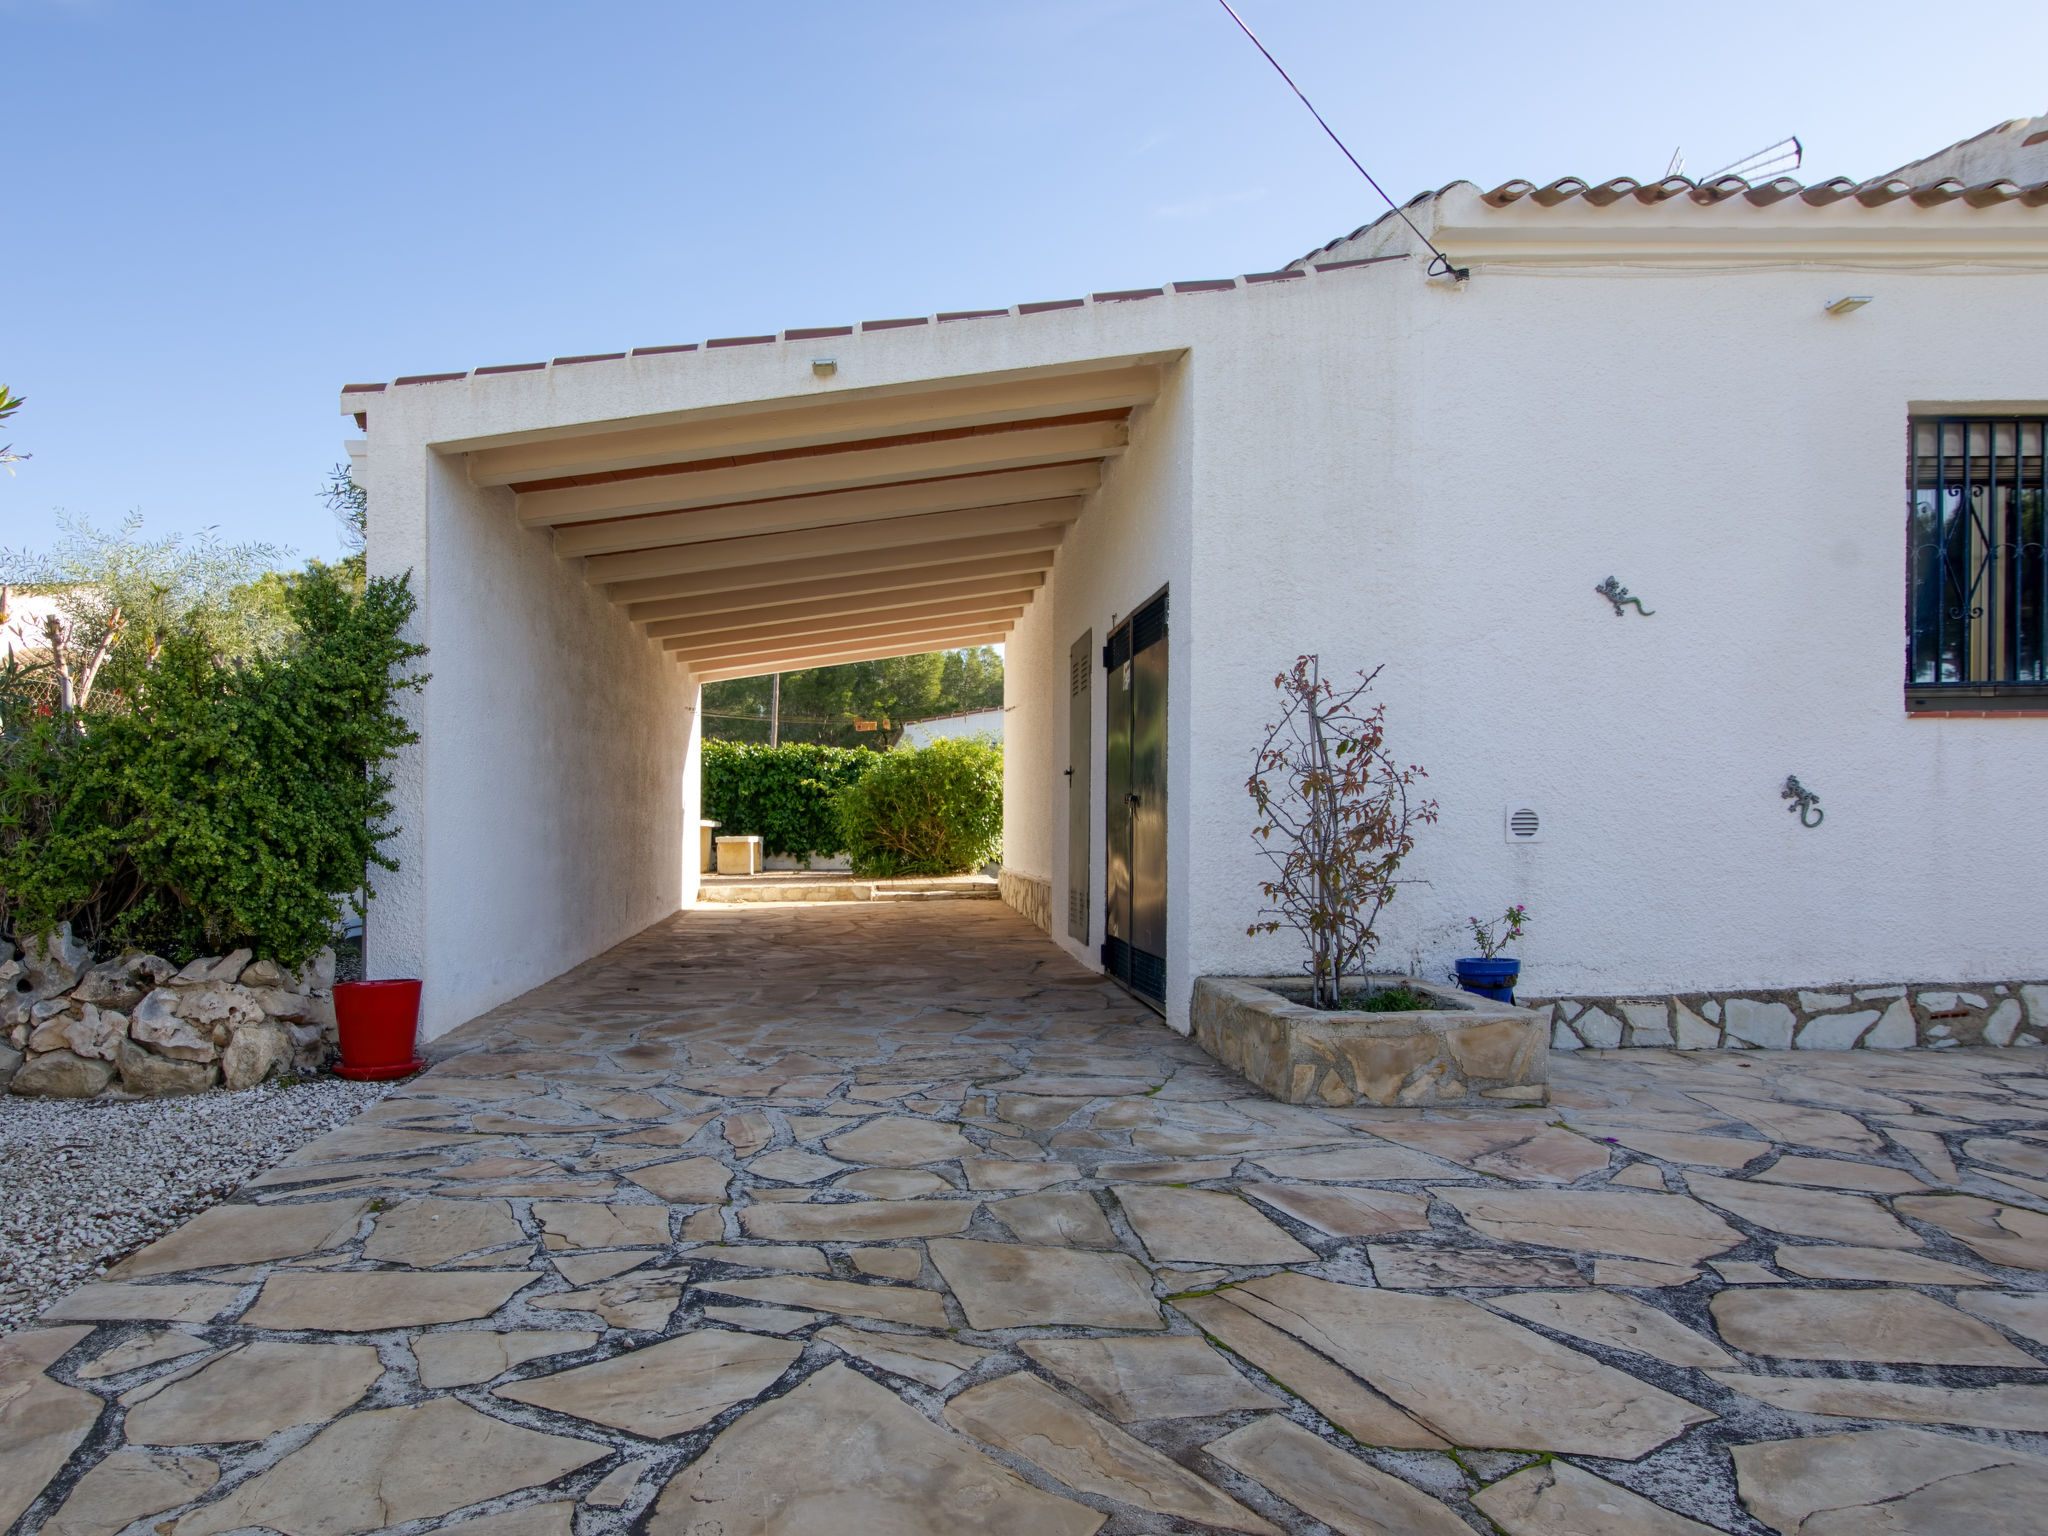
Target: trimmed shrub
point(931, 810)
point(784, 795)
point(226, 804)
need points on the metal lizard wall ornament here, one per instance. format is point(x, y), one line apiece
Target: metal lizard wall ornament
point(1803, 800)
point(1618, 595)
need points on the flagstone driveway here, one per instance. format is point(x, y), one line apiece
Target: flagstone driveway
point(855, 1219)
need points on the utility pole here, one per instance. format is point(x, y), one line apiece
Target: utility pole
point(775, 712)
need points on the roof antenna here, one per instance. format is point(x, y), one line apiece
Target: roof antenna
point(1677, 165)
point(1441, 267)
point(1785, 155)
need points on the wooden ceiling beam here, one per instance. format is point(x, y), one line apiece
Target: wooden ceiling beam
point(1026, 568)
point(883, 560)
point(838, 417)
point(886, 533)
point(792, 661)
point(917, 603)
point(814, 633)
point(829, 510)
point(815, 473)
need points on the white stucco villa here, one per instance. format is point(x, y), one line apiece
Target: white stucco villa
point(1801, 423)
point(962, 723)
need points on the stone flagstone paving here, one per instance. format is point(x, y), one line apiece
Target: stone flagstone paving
point(856, 1219)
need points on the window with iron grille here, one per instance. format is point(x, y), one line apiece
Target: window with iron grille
point(1977, 608)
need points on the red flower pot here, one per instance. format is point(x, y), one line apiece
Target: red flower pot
point(378, 1022)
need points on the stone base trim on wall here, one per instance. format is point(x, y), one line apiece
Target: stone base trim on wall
point(1031, 896)
point(1849, 1018)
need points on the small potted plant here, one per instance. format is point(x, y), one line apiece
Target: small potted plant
point(1487, 974)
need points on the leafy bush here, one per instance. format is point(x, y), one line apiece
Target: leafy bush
point(782, 794)
point(931, 810)
point(224, 804)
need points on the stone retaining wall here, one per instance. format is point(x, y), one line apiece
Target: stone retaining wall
point(1031, 896)
point(138, 1025)
point(1865, 1018)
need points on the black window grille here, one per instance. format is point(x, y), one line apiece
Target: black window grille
point(1977, 614)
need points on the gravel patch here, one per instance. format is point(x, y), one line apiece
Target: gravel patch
point(84, 1183)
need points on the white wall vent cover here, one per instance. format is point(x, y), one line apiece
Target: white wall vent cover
point(1522, 824)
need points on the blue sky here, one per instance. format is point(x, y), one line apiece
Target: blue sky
point(216, 214)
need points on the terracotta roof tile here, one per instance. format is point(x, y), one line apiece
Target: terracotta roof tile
point(737, 341)
point(1872, 194)
point(972, 314)
point(362, 389)
point(890, 325)
point(512, 368)
point(1274, 277)
point(1208, 285)
point(431, 378)
point(590, 357)
point(1050, 304)
point(813, 332)
point(688, 346)
point(1124, 295)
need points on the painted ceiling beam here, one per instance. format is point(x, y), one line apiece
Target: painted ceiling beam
point(923, 602)
point(782, 637)
point(1026, 568)
point(881, 560)
point(841, 416)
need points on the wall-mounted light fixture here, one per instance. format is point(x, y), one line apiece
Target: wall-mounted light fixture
point(824, 367)
point(1848, 303)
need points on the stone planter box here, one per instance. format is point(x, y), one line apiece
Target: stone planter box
point(1464, 1050)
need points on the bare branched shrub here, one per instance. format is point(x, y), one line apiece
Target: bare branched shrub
point(1335, 820)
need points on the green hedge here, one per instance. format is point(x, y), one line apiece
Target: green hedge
point(783, 795)
point(931, 810)
point(225, 804)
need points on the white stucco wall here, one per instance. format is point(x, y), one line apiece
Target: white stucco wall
point(1380, 469)
point(977, 722)
point(543, 810)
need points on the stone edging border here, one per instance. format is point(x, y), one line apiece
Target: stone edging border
point(1893, 1017)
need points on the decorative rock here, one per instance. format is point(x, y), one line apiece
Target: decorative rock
point(253, 1053)
point(1648, 1023)
point(383, 1468)
point(1346, 1212)
point(1896, 1031)
point(841, 1456)
point(1832, 1173)
point(1836, 1031)
point(790, 1166)
point(1798, 1124)
point(1206, 1226)
point(156, 1023)
point(1556, 1498)
point(688, 1181)
point(61, 1075)
point(901, 1141)
point(894, 1183)
point(1022, 1415)
point(1598, 1028)
point(112, 984)
point(1694, 1033)
point(1884, 1265)
point(1175, 1377)
point(2003, 1234)
point(1664, 1228)
point(1910, 1480)
point(127, 1486)
point(938, 1363)
point(371, 1303)
point(2005, 1018)
point(808, 1260)
point(250, 1393)
point(1859, 1325)
point(1004, 1286)
point(886, 1303)
point(143, 1349)
point(247, 1234)
point(1805, 1212)
point(217, 1003)
point(667, 1388)
point(861, 1222)
point(10, 1063)
point(2022, 1408)
point(1359, 1165)
point(1348, 1495)
point(643, 1301)
point(589, 1224)
point(1067, 1220)
point(1619, 1322)
point(1481, 1380)
point(1416, 1267)
point(145, 1072)
point(1767, 1025)
point(53, 962)
point(1356, 1409)
point(430, 1231)
point(192, 1303)
point(41, 1421)
point(471, 1355)
point(1512, 1150)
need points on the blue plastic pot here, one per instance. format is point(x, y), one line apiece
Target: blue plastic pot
point(1493, 979)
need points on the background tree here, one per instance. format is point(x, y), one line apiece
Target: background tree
point(9, 404)
point(820, 704)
